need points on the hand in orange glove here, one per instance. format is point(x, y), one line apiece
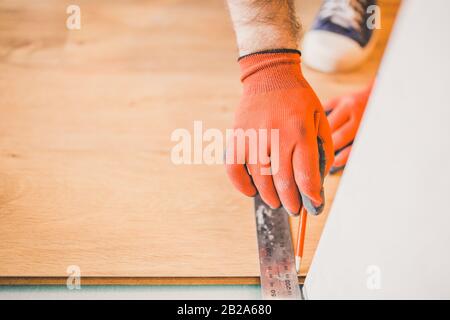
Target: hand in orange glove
point(344, 115)
point(276, 96)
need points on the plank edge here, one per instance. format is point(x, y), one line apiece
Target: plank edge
point(133, 281)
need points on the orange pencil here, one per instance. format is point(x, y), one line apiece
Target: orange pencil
point(303, 217)
point(300, 239)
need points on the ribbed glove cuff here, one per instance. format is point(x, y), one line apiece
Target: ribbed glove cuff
point(271, 70)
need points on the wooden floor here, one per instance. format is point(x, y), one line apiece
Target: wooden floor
point(86, 115)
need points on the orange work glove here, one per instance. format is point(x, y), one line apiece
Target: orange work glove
point(276, 96)
point(344, 115)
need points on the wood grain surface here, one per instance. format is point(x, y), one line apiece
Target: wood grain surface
point(86, 116)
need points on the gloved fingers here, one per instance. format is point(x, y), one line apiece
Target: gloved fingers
point(338, 118)
point(325, 143)
point(344, 135)
point(264, 184)
point(285, 184)
point(341, 160)
point(342, 157)
point(241, 179)
point(330, 105)
point(306, 165)
point(236, 169)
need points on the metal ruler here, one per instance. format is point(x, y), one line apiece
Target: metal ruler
point(279, 278)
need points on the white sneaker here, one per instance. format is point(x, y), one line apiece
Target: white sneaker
point(340, 39)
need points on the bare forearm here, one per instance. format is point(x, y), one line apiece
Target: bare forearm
point(264, 24)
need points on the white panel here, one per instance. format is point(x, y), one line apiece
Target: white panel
point(391, 213)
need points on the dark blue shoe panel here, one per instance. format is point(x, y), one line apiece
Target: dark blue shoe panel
point(335, 12)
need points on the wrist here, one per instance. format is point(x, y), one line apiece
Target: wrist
point(251, 39)
point(264, 25)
